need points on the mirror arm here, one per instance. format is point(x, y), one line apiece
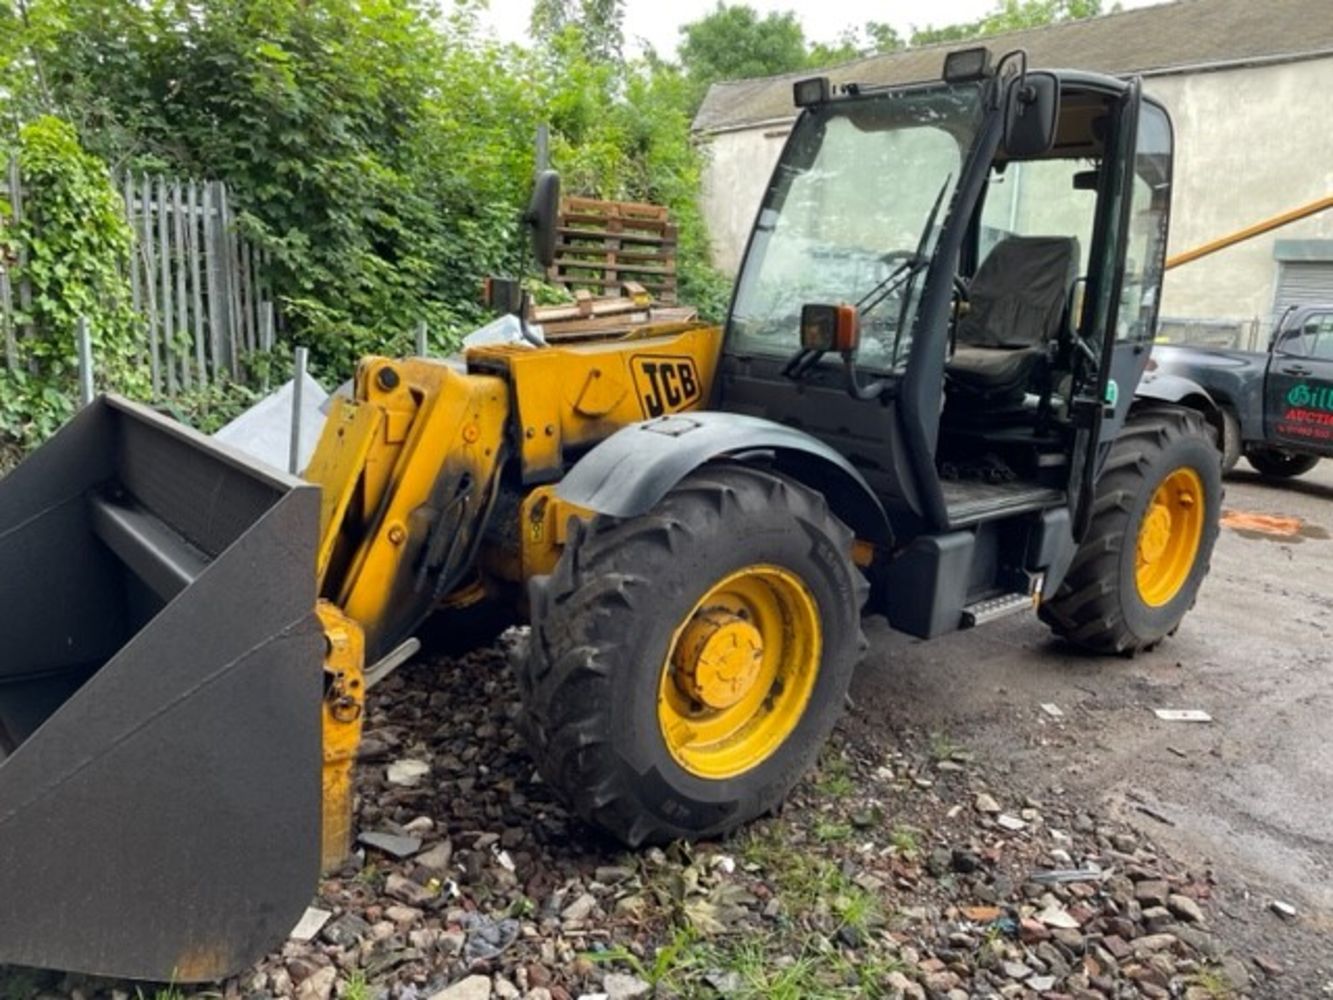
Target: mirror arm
point(854, 387)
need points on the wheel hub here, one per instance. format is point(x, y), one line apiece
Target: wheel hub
point(1169, 537)
point(718, 658)
point(1156, 533)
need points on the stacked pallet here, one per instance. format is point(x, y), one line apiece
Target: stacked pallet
point(601, 245)
point(589, 316)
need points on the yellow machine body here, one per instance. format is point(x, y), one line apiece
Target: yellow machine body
point(412, 469)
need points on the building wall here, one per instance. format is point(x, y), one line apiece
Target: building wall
point(1251, 142)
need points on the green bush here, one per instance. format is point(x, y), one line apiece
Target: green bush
point(73, 241)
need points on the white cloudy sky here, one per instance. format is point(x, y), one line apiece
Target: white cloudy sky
point(659, 20)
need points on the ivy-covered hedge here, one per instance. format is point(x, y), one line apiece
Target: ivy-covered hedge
point(72, 241)
point(381, 150)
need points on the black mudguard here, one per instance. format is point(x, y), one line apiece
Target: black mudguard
point(1162, 387)
point(628, 473)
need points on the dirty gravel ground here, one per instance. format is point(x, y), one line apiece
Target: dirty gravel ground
point(1250, 794)
point(910, 862)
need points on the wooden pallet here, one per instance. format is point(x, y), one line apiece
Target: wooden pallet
point(601, 245)
point(588, 316)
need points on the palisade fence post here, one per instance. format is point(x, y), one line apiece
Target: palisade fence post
point(85, 345)
point(222, 360)
point(127, 192)
point(168, 312)
point(7, 321)
point(196, 292)
point(266, 336)
point(298, 386)
point(182, 301)
point(150, 284)
point(422, 330)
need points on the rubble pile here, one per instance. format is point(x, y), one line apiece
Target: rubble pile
point(900, 868)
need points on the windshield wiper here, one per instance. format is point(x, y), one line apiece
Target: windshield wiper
point(918, 261)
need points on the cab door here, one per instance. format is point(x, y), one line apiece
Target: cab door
point(1298, 390)
point(1125, 281)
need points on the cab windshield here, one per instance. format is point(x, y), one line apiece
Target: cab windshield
point(851, 208)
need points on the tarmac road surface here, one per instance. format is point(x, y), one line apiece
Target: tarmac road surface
point(1249, 795)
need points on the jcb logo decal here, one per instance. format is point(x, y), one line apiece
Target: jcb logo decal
point(666, 384)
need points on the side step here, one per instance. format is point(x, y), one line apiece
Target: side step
point(996, 607)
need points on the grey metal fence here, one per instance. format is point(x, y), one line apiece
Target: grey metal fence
point(1238, 334)
point(197, 284)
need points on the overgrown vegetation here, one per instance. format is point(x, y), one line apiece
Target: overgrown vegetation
point(70, 246)
point(380, 151)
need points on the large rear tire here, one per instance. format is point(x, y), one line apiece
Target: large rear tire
point(685, 667)
point(1155, 521)
point(1279, 463)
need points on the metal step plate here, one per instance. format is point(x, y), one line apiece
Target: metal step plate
point(996, 607)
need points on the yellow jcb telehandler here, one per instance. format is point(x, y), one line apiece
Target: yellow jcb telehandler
point(926, 403)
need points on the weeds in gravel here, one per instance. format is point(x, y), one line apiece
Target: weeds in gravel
point(358, 987)
point(372, 878)
point(903, 839)
point(829, 831)
point(670, 962)
point(1214, 983)
point(769, 968)
point(162, 993)
point(835, 776)
point(803, 880)
point(942, 746)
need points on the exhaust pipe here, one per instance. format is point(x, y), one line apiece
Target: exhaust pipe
point(160, 702)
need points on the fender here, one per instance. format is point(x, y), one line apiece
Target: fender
point(1161, 387)
point(629, 472)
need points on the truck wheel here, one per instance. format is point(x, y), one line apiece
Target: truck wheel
point(1230, 443)
point(685, 667)
point(1155, 520)
point(1279, 462)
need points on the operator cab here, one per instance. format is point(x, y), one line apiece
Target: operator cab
point(957, 276)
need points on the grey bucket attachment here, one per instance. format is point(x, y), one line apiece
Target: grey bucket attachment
point(160, 687)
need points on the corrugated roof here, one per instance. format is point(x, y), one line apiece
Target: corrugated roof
point(1169, 36)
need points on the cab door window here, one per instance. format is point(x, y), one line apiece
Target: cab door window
point(1318, 337)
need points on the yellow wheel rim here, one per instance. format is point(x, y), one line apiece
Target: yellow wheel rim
point(739, 672)
point(1169, 537)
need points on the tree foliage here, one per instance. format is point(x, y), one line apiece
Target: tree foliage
point(380, 150)
point(1011, 15)
point(734, 42)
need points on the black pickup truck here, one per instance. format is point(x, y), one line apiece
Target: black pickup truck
point(1277, 407)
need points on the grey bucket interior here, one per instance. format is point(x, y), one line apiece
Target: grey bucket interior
point(160, 688)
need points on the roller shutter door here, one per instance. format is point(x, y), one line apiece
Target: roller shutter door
point(1303, 282)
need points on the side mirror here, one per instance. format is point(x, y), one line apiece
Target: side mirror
point(1031, 110)
point(830, 328)
point(541, 216)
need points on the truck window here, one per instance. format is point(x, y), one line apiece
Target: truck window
point(1319, 336)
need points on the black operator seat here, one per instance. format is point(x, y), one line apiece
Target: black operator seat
point(1018, 299)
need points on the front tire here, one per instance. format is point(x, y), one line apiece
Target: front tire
point(1231, 441)
point(1279, 463)
point(685, 667)
point(1154, 524)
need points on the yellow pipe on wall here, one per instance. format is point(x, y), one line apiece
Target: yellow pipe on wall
point(1258, 229)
